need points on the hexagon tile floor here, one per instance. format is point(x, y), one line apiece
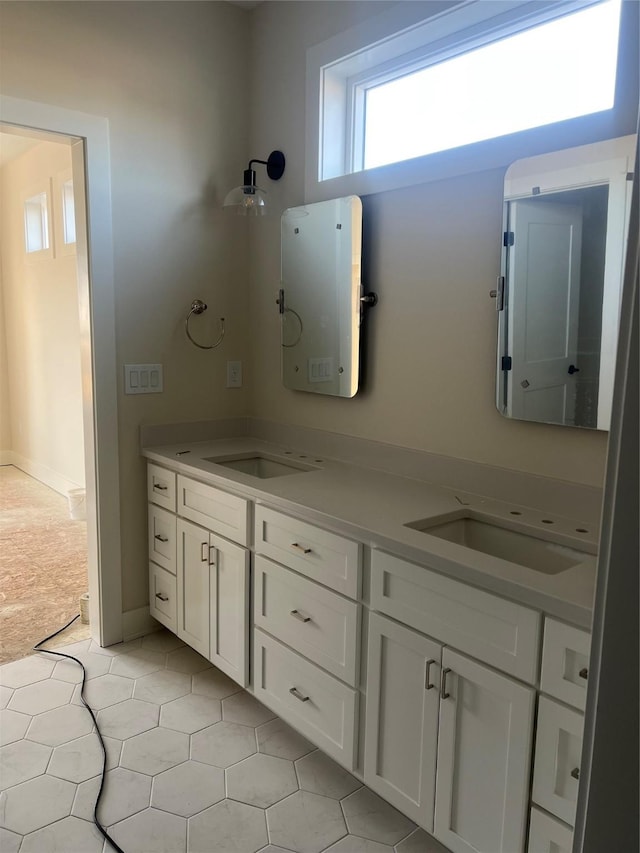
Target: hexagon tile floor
point(195, 764)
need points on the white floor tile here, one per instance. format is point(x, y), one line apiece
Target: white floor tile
point(320, 775)
point(369, 816)
point(151, 831)
point(420, 842)
point(188, 788)
point(9, 841)
point(155, 751)
point(60, 725)
point(244, 709)
point(280, 740)
point(36, 803)
point(43, 696)
point(306, 823)
point(26, 671)
point(190, 713)
point(163, 686)
point(261, 780)
point(77, 760)
point(107, 690)
point(69, 835)
point(128, 718)
point(125, 793)
point(223, 744)
point(13, 726)
point(21, 761)
point(229, 826)
point(187, 660)
point(214, 683)
point(138, 662)
point(355, 844)
point(162, 641)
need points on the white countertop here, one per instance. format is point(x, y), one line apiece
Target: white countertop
point(373, 507)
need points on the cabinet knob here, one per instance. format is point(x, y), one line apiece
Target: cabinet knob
point(301, 548)
point(295, 692)
point(162, 597)
point(575, 773)
point(584, 673)
point(299, 616)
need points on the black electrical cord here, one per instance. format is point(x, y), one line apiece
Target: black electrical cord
point(37, 648)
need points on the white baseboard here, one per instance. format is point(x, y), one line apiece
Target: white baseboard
point(138, 623)
point(39, 472)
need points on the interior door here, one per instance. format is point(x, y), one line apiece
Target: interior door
point(543, 275)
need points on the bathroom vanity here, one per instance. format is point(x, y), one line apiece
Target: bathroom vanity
point(434, 643)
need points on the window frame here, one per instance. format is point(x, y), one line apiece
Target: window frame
point(401, 39)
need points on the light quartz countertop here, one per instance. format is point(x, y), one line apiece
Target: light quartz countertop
point(374, 507)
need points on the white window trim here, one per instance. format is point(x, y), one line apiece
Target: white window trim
point(371, 46)
point(45, 254)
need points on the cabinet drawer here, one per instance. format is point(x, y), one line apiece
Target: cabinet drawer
point(325, 557)
point(315, 703)
point(557, 759)
point(162, 596)
point(162, 538)
point(319, 624)
point(565, 661)
point(496, 631)
point(214, 509)
point(548, 835)
point(161, 487)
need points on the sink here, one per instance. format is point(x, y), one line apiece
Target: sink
point(260, 465)
point(479, 534)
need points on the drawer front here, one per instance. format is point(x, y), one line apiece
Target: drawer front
point(161, 487)
point(214, 509)
point(548, 835)
point(565, 663)
point(319, 624)
point(496, 631)
point(162, 596)
point(325, 557)
point(318, 705)
point(162, 538)
point(557, 759)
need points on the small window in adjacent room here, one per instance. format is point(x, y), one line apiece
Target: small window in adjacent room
point(68, 213)
point(36, 223)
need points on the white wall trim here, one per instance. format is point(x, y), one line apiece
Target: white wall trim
point(40, 472)
point(138, 623)
point(91, 164)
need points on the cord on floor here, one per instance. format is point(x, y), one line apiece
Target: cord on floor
point(38, 648)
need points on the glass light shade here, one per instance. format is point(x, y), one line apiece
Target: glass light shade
point(247, 200)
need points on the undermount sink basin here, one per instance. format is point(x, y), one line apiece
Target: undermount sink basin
point(521, 548)
point(260, 465)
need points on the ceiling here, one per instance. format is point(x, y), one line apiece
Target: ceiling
point(12, 146)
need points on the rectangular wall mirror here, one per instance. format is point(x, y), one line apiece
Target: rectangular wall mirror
point(564, 244)
point(320, 304)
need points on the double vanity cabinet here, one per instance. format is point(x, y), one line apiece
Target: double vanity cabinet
point(461, 708)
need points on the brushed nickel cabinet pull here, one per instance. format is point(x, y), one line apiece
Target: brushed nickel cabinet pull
point(161, 538)
point(162, 597)
point(295, 692)
point(160, 487)
point(212, 555)
point(575, 773)
point(204, 556)
point(427, 675)
point(584, 672)
point(301, 548)
point(443, 684)
point(297, 615)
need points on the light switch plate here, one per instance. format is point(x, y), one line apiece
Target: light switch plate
point(143, 379)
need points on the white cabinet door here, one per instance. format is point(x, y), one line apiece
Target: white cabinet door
point(193, 586)
point(402, 717)
point(229, 608)
point(484, 756)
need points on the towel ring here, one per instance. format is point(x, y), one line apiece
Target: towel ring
point(199, 307)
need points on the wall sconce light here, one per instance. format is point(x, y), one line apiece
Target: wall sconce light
point(249, 198)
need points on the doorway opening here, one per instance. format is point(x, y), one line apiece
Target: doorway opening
point(42, 478)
